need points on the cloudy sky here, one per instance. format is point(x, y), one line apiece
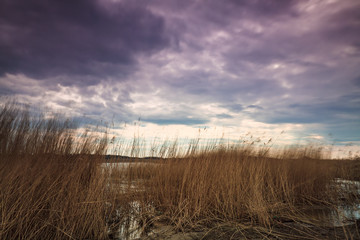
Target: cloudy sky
point(229, 67)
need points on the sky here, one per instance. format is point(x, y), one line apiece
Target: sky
point(286, 69)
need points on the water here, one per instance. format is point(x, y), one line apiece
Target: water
point(130, 227)
point(119, 165)
point(342, 214)
point(345, 213)
point(125, 224)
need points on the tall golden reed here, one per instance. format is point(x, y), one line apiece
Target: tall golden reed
point(50, 184)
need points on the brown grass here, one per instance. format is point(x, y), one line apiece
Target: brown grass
point(240, 187)
point(230, 185)
point(52, 185)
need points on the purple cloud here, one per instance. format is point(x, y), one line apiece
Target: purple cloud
point(188, 62)
point(84, 39)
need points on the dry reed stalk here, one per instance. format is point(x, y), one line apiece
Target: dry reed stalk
point(51, 188)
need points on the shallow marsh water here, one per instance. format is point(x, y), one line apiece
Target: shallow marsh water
point(131, 227)
point(343, 213)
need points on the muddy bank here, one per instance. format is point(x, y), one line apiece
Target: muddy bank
point(280, 230)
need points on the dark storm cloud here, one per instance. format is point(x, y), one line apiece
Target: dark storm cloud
point(272, 61)
point(316, 52)
point(274, 42)
point(84, 38)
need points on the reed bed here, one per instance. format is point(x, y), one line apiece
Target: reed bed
point(54, 185)
point(50, 187)
point(231, 185)
point(240, 189)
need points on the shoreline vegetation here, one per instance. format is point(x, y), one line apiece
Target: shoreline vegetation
point(54, 185)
